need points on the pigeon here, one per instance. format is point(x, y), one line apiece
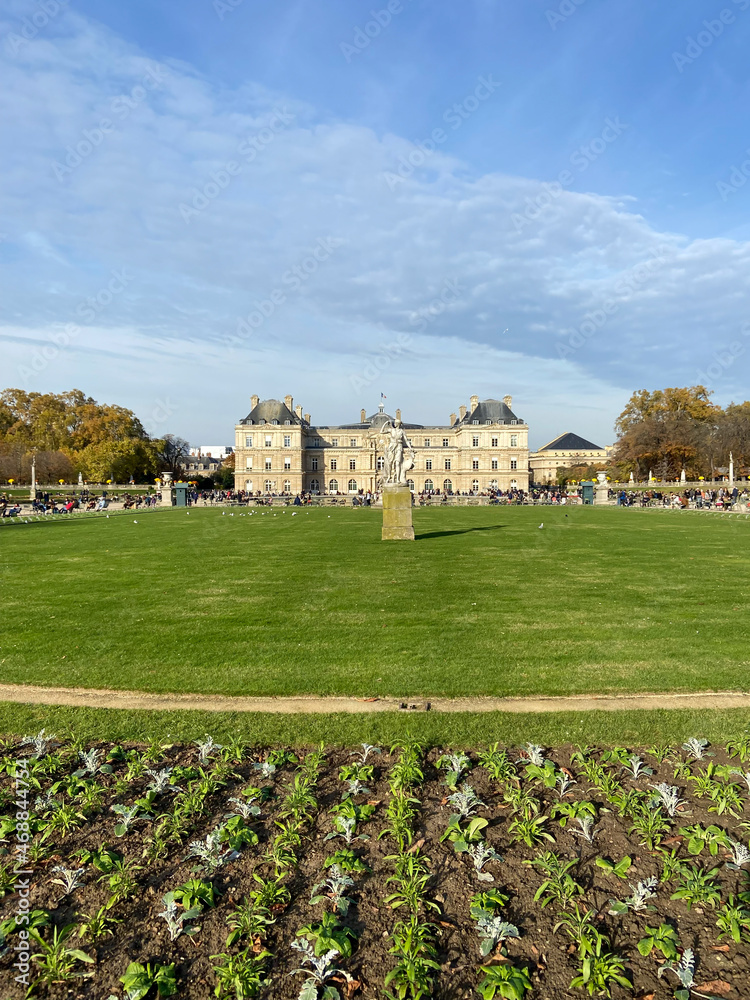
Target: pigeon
point(135, 522)
point(542, 524)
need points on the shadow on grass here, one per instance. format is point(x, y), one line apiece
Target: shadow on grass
point(457, 531)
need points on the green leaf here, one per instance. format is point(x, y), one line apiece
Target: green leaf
point(645, 946)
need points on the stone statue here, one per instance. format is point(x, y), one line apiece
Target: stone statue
point(399, 454)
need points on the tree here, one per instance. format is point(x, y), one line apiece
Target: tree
point(172, 452)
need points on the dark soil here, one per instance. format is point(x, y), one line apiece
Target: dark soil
point(141, 936)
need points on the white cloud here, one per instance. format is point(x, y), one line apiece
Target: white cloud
point(668, 302)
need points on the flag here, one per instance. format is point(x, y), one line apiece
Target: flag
point(383, 395)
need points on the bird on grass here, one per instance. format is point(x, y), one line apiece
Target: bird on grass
point(135, 522)
point(542, 524)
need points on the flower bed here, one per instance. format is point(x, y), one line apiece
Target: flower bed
point(200, 871)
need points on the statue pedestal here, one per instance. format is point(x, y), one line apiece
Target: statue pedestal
point(397, 526)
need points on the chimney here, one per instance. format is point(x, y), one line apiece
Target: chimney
point(288, 402)
point(254, 400)
point(461, 412)
point(508, 400)
point(398, 414)
point(474, 403)
point(307, 418)
point(453, 419)
point(298, 410)
point(362, 415)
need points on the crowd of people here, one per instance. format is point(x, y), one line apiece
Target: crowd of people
point(724, 498)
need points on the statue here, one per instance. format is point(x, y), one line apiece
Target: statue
point(396, 460)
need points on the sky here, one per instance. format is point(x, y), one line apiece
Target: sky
point(209, 199)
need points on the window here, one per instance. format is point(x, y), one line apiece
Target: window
point(314, 464)
point(269, 441)
point(287, 486)
point(352, 486)
point(445, 442)
point(447, 486)
point(428, 464)
point(249, 463)
point(287, 423)
point(268, 486)
point(428, 486)
point(447, 465)
point(249, 485)
point(334, 464)
point(287, 440)
point(334, 442)
point(268, 465)
point(333, 486)
point(514, 440)
point(315, 443)
point(493, 463)
point(488, 421)
point(315, 486)
point(494, 442)
point(475, 442)
point(410, 483)
point(514, 421)
point(513, 463)
point(380, 464)
point(493, 484)
point(352, 442)
point(275, 423)
point(248, 440)
point(475, 421)
point(287, 464)
point(352, 464)
point(475, 484)
point(514, 484)
point(475, 463)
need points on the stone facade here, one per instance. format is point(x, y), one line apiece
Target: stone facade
point(564, 452)
point(279, 450)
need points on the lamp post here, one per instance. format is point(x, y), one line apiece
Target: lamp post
point(33, 476)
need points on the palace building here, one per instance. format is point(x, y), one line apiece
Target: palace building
point(564, 452)
point(278, 449)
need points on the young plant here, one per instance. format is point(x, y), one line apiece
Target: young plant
point(663, 938)
point(329, 934)
point(178, 921)
point(695, 748)
point(698, 838)
point(650, 825)
point(507, 981)
point(321, 969)
point(454, 764)
point(55, 959)
point(696, 887)
point(668, 798)
point(635, 767)
point(128, 815)
point(139, 979)
point(195, 893)
point(559, 887)
point(98, 925)
point(347, 861)
point(497, 764)
point(493, 931)
point(684, 970)
point(69, 879)
point(482, 854)
point(334, 888)
point(240, 976)
point(579, 926)
point(414, 946)
point(210, 852)
point(734, 920)
point(638, 901)
point(600, 970)
point(91, 764)
point(271, 895)
point(529, 830)
point(248, 921)
point(620, 869)
point(207, 748)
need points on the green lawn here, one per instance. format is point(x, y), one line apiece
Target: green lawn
point(484, 602)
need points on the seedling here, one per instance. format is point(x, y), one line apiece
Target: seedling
point(668, 797)
point(161, 782)
point(493, 931)
point(696, 887)
point(347, 861)
point(69, 879)
point(178, 922)
point(210, 852)
point(128, 815)
point(496, 763)
point(55, 959)
point(664, 938)
point(507, 981)
point(638, 901)
point(635, 767)
point(454, 764)
point(321, 969)
point(481, 854)
point(532, 752)
point(620, 869)
point(565, 811)
point(329, 934)
point(242, 975)
point(367, 751)
point(139, 979)
point(334, 886)
point(699, 838)
point(740, 855)
point(684, 970)
point(249, 920)
point(695, 748)
point(600, 970)
point(207, 748)
point(734, 920)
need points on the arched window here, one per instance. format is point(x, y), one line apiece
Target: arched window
point(287, 486)
point(514, 484)
point(314, 486)
point(410, 483)
point(275, 422)
point(428, 486)
point(352, 486)
point(333, 486)
point(447, 486)
point(268, 486)
point(493, 484)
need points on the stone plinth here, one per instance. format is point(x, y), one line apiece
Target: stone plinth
point(397, 526)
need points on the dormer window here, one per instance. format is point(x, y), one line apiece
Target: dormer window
point(475, 421)
point(275, 422)
point(287, 423)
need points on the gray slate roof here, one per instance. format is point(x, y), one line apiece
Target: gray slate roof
point(269, 410)
point(493, 410)
point(571, 442)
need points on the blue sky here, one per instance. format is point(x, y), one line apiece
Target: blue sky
point(208, 199)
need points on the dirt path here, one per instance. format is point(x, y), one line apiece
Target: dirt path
point(310, 704)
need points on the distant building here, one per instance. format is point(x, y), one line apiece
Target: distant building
point(563, 452)
point(279, 450)
point(220, 451)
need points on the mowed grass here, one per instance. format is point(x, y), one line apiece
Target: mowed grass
point(483, 603)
